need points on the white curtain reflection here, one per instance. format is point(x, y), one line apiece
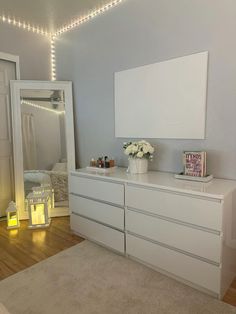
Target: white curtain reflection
point(29, 142)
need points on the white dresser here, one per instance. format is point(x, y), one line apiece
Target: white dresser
point(181, 228)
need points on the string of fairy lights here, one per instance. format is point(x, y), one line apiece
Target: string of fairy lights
point(29, 103)
point(53, 36)
point(91, 15)
point(53, 59)
point(24, 25)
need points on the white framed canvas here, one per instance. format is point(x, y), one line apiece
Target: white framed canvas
point(163, 100)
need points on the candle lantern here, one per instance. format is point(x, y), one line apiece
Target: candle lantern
point(38, 209)
point(12, 216)
point(48, 188)
point(37, 190)
point(45, 187)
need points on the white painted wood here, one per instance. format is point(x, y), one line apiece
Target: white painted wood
point(9, 70)
point(12, 58)
point(228, 272)
point(194, 241)
point(180, 207)
point(97, 189)
point(16, 87)
point(104, 213)
point(186, 267)
point(184, 229)
point(98, 233)
point(167, 99)
point(216, 189)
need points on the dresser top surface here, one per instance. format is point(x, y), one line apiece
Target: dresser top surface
point(217, 188)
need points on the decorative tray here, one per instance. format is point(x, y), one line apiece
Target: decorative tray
point(101, 170)
point(205, 179)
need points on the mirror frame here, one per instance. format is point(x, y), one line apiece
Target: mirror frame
point(16, 87)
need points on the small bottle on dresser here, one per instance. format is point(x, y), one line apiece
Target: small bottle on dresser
point(92, 162)
point(112, 162)
point(106, 162)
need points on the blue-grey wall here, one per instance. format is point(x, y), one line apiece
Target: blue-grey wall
point(33, 50)
point(140, 32)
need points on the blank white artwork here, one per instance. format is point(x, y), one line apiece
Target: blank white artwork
point(163, 100)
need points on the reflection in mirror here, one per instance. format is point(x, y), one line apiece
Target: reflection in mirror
point(44, 144)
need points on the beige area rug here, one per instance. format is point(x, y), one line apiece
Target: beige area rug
point(90, 279)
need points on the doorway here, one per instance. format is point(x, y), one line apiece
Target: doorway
point(9, 70)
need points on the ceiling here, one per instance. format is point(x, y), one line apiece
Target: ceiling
point(48, 14)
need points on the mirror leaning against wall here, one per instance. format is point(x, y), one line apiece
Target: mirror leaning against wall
point(43, 142)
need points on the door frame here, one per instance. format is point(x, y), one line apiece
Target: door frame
point(14, 59)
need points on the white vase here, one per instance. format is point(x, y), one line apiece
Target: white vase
point(138, 165)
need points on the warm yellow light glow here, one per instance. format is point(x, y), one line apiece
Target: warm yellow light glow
point(53, 59)
point(38, 206)
point(88, 17)
point(37, 214)
point(13, 232)
point(12, 221)
point(48, 189)
point(63, 29)
point(12, 216)
point(24, 25)
point(39, 236)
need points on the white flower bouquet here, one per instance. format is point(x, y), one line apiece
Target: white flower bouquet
point(140, 149)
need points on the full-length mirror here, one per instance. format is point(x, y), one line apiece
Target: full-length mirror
point(43, 142)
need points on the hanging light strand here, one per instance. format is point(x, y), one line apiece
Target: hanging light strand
point(53, 59)
point(66, 28)
point(39, 30)
point(24, 25)
point(29, 103)
point(81, 20)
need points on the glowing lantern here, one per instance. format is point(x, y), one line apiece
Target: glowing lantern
point(12, 216)
point(38, 209)
point(45, 187)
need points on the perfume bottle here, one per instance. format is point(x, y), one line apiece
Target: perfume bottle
point(112, 162)
point(100, 163)
point(106, 162)
point(92, 162)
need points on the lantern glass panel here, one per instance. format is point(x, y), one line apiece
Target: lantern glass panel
point(12, 220)
point(12, 216)
point(38, 207)
point(38, 214)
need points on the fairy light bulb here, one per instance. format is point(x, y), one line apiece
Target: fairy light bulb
point(23, 25)
point(53, 59)
point(29, 103)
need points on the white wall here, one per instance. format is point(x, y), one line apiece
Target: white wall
point(33, 50)
point(141, 32)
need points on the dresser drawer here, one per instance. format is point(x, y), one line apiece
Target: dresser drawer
point(107, 214)
point(198, 211)
point(193, 270)
point(194, 241)
point(98, 189)
point(97, 232)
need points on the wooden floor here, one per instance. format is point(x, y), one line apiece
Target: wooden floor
point(21, 248)
point(230, 296)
